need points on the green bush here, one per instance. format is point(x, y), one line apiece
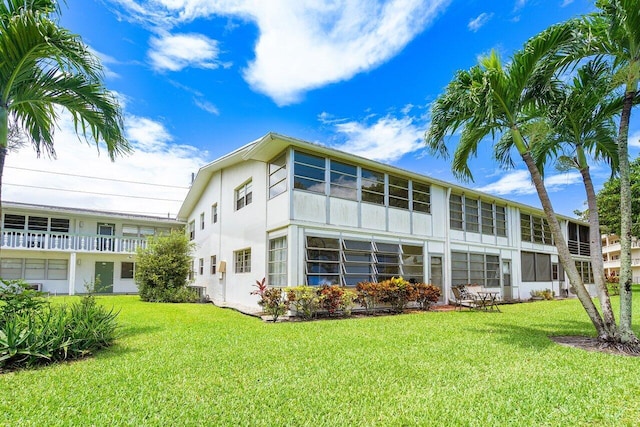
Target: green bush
point(162, 268)
point(369, 295)
point(426, 294)
point(43, 333)
point(306, 301)
point(396, 292)
point(272, 300)
point(16, 298)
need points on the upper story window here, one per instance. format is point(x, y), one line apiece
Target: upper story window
point(309, 172)
point(213, 264)
point(129, 230)
point(398, 192)
point(278, 175)
point(372, 186)
point(192, 230)
point(202, 221)
point(244, 195)
point(421, 197)
point(344, 180)
point(535, 229)
point(578, 240)
point(214, 213)
point(36, 223)
point(477, 216)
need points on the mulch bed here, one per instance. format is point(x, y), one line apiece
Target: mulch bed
point(594, 344)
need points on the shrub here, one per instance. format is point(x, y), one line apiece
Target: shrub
point(397, 292)
point(43, 333)
point(369, 294)
point(306, 300)
point(426, 294)
point(16, 298)
point(347, 301)
point(332, 298)
point(547, 294)
point(271, 300)
point(162, 268)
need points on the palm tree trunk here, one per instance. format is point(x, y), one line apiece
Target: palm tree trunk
point(626, 334)
point(563, 250)
point(595, 246)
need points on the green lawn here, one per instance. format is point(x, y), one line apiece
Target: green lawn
point(201, 365)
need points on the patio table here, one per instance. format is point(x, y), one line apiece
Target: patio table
point(487, 300)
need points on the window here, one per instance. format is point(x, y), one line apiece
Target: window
point(35, 269)
point(309, 172)
point(471, 215)
point(372, 187)
point(129, 230)
point(14, 222)
point(201, 266)
point(535, 229)
point(487, 217)
point(244, 195)
point(192, 270)
point(473, 268)
point(57, 269)
point(192, 230)
point(344, 180)
point(278, 175)
point(278, 262)
point(202, 221)
point(455, 212)
point(59, 225)
point(557, 272)
point(38, 223)
point(11, 268)
point(536, 267)
point(347, 262)
point(243, 261)
point(126, 270)
point(578, 240)
point(213, 264)
point(501, 221)
point(421, 197)
point(584, 268)
point(214, 213)
point(398, 192)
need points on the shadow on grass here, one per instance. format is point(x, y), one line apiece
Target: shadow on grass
point(133, 330)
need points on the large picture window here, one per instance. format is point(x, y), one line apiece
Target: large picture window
point(350, 261)
point(536, 267)
point(475, 268)
point(476, 216)
point(33, 269)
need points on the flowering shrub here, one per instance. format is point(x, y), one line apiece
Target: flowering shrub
point(369, 295)
point(271, 300)
point(426, 294)
point(396, 292)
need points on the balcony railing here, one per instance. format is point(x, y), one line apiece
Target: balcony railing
point(47, 241)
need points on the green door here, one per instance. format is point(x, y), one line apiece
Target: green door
point(104, 276)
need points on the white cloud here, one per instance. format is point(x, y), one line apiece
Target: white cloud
point(388, 139)
point(206, 106)
point(173, 52)
point(566, 3)
point(477, 23)
point(156, 160)
point(302, 45)
point(518, 183)
point(634, 139)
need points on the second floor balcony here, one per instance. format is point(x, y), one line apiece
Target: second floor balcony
point(49, 241)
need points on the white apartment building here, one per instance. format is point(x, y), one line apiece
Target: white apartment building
point(62, 249)
point(611, 254)
point(300, 213)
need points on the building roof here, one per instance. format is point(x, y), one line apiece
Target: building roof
point(90, 212)
point(269, 146)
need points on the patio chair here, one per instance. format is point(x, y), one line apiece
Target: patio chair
point(463, 298)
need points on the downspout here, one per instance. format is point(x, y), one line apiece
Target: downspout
point(447, 249)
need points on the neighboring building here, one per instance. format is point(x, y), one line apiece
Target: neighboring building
point(63, 249)
point(611, 254)
point(300, 213)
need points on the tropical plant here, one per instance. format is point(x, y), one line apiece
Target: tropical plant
point(614, 31)
point(511, 101)
point(162, 268)
point(306, 300)
point(426, 294)
point(46, 69)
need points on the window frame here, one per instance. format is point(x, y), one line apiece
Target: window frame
point(242, 261)
point(123, 270)
point(243, 195)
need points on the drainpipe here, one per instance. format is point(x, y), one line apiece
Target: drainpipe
point(447, 249)
point(72, 273)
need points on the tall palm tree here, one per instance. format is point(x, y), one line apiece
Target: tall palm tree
point(493, 99)
point(615, 32)
point(45, 69)
point(582, 125)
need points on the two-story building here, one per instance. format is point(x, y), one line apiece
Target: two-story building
point(611, 255)
point(301, 213)
point(64, 249)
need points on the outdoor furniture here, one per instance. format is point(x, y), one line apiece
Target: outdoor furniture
point(487, 300)
point(462, 298)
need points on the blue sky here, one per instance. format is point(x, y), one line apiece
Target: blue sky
point(200, 78)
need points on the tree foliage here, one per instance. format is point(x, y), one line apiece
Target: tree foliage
point(162, 268)
point(609, 202)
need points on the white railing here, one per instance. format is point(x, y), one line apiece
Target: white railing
point(12, 239)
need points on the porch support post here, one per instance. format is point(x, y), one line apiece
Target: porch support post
point(72, 274)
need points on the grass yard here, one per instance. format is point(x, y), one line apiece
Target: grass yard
point(202, 365)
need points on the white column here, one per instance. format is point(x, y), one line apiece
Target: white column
point(72, 274)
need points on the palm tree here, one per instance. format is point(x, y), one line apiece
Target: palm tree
point(511, 100)
point(582, 125)
point(615, 32)
point(45, 69)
